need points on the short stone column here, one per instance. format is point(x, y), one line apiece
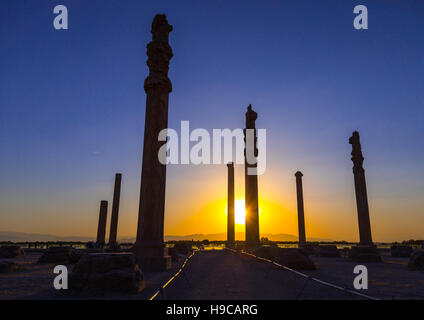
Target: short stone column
point(115, 210)
point(300, 210)
point(230, 207)
point(101, 229)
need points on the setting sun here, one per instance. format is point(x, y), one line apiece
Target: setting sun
point(239, 211)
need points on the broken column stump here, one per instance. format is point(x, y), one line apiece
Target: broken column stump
point(11, 252)
point(98, 273)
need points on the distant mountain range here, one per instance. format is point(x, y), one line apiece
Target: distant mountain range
point(239, 236)
point(22, 237)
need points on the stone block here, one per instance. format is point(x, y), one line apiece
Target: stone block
point(98, 273)
point(293, 258)
point(329, 251)
point(11, 252)
point(364, 254)
point(416, 260)
point(60, 255)
point(8, 266)
point(174, 254)
point(183, 248)
point(401, 251)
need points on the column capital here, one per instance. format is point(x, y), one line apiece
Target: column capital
point(251, 117)
point(159, 54)
point(357, 157)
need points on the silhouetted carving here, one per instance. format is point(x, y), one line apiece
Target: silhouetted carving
point(251, 185)
point(149, 248)
point(101, 229)
point(115, 211)
point(230, 207)
point(300, 210)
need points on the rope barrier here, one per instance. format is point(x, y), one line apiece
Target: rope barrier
point(325, 283)
point(161, 290)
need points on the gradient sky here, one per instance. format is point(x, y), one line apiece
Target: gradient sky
point(72, 110)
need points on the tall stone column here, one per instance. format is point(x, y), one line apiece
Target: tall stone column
point(366, 251)
point(251, 184)
point(360, 191)
point(300, 211)
point(115, 210)
point(101, 229)
point(230, 207)
point(149, 248)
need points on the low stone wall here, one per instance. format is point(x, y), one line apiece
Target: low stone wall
point(98, 273)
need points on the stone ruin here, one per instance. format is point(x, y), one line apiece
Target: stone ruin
point(416, 260)
point(8, 266)
point(401, 251)
point(325, 250)
point(366, 251)
point(99, 273)
point(293, 258)
point(60, 255)
point(11, 252)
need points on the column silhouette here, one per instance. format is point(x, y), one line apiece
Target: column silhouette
point(230, 207)
point(365, 251)
point(115, 210)
point(251, 182)
point(149, 248)
point(300, 210)
point(360, 191)
point(101, 229)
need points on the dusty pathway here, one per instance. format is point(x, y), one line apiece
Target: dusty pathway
point(224, 275)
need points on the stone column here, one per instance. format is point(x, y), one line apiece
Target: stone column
point(360, 191)
point(149, 248)
point(115, 210)
point(251, 184)
point(300, 211)
point(230, 214)
point(365, 251)
point(101, 229)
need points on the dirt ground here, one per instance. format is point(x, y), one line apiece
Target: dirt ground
point(225, 275)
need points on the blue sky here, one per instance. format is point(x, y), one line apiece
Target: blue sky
point(72, 105)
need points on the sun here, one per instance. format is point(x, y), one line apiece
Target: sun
point(239, 212)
